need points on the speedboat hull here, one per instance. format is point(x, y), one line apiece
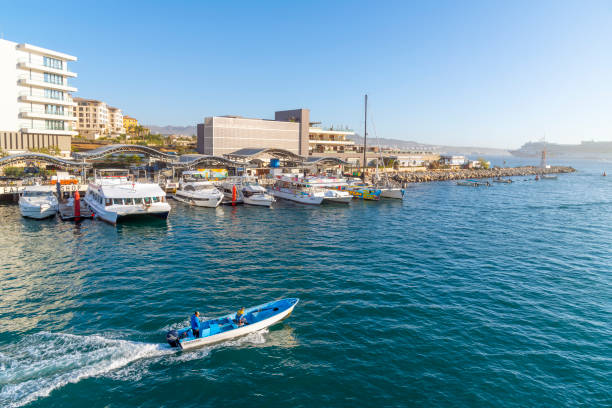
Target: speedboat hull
point(259, 200)
point(211, 201)
point(38, 213)
point(297, 196)
point(397, 193)
point(225, 328)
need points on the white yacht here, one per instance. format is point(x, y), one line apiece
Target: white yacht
point(294, 188)
point(227, 188)
point(116, 197)
point(254, 194)
point(195, 189)
point(38, 202)
point(333, 188)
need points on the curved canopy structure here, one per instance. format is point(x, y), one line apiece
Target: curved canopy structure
point(325, 161)
point(190, 161)
point(124, 148)
point(40, 157)
point(252, 154)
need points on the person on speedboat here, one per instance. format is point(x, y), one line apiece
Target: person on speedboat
point(195, 324)
point(240, 319)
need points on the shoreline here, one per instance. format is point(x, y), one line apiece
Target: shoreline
point(463, 174)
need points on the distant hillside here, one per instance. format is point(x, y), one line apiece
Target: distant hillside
point(411, 145)
point(584, 150)
point(173, 130)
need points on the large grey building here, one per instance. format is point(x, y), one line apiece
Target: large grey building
point(220, 135)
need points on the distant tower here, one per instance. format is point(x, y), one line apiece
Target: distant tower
point(543, 161)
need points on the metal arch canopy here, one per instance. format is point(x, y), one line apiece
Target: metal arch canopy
point(197, 160)
point(249, 154)
point(41, 157)
point(120, 148)
point(329, 161)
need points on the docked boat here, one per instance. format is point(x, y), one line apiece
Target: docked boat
point(232, 190)
point(254, 194)
point(294, 188)
point(389, 191)
point(195, 189)
point(38, 202)
point(359, 189)
point(332, 188)
point(114, 197)
point(548, 177)
point(227, 327)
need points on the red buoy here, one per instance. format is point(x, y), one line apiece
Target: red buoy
point(77, 205)
point(234, 194)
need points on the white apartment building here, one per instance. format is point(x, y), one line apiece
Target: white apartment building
point(35, 101)
point(95, 119)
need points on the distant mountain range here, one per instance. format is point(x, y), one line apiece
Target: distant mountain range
point(584, 150)
point(385, 143)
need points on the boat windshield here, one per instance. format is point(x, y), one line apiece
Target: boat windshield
point(36, 193)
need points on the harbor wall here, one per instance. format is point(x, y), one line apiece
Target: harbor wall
point(462, 174)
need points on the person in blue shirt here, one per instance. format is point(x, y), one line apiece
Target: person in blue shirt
point(195, 324)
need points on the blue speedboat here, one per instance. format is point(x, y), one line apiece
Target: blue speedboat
point(226, 327)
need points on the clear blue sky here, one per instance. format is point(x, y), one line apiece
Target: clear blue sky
point(490, 73)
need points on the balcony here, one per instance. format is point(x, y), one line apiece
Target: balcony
point(43, 68)
point(42, 84)
point(30, 113)
point(25, 97)
point(331, 142)
point(31, 129)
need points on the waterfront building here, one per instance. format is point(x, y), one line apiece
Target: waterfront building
point(35, 101)
point(453, 161)
point(129, 124)
point(95, 119)
point(220, 135)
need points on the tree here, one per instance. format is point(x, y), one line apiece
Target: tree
point(483, 163)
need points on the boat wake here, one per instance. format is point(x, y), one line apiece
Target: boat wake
point(43, 362)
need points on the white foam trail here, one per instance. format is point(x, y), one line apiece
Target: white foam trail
point(43, 362)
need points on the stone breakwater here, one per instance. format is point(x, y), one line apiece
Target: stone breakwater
point(462, 174)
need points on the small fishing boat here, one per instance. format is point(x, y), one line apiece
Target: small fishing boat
point(501, 180)
point(473, 183)
point(226, 327)
point(254, 194)
point(548, 177)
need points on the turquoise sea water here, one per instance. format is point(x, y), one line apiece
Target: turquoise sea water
point(458, 296)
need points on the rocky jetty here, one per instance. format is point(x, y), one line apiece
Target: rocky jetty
point(462, 174)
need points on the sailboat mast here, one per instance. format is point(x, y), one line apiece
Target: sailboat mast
point(365, 137)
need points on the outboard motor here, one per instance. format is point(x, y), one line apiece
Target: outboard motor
point(172, 337)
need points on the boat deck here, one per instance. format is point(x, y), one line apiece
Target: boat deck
point(66, 212)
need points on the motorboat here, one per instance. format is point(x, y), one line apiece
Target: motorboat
point(473, 183)
point(113, 197)
point(332, 188)
point(196, 189)
point(389, 191)
point(501, 180)
point(294, 188)
point(232, 190)
point(548, 177)
point(227, 327)
point(38, 202)
point(254, 194)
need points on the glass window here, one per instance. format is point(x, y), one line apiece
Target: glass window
point(109, 202)
point(54, 109)
point(156, 199)
point(128, 201)
point(54, 78)
point(54, 94)
point(53, 63)
point(117, 201)
point(138, 200)
point(54, 124)
point(147, 200)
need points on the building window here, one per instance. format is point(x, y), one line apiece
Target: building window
point(53, 63)
point(54, 79)
point(54, 124)
point(54, 109)
point(53, 94)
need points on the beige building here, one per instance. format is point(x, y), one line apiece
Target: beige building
point(220, 135)
point(95, 119)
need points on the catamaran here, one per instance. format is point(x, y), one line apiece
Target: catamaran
point(113, 196)
point(38, 202)
point(227, 327)
point(196, 189)
point(294, 188)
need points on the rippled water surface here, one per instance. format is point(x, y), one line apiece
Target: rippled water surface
point(458, 296)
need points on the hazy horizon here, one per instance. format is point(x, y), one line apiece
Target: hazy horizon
point(486, 74)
